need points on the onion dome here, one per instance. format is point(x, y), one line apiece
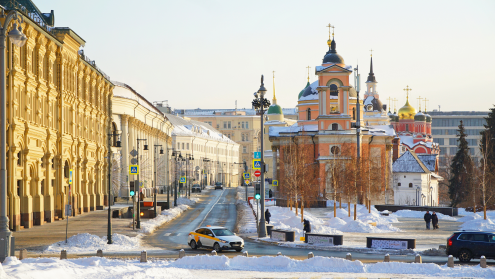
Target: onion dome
point(395, 117)
point(274, 109)
point(331, 56)
point(302, 91)
point(419, 117)
point(407, 111)
point(310, 90)
point(428, 117)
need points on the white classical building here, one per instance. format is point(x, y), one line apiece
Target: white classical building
point(214, 156)
point(415, 179)
point(136, 122)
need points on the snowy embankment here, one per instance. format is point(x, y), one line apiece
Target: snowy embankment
point(216, 266)
point(285, 219)
point(89, 243)
point(246, 222)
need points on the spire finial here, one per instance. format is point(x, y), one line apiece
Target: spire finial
point(419, 101)
point(407, 89)
point(395, 105)
point(308, 71)
point(329, 42)
point(274, 98)
point(371, 52)
point(425, 103)
point(333, 30)
point(389, 99)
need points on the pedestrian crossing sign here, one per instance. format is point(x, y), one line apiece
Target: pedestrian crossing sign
point(256, 164)
point(182, 179)
point(246, 175)
point(133, 169)
point(275, 183)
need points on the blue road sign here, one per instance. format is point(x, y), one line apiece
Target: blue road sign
point(256, 164)
point(182, 179)
point(133, 169)
point(257, 155)
point(246, 175)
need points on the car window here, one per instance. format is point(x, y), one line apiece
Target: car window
point(465, 236)
point(208, 232)
point(492, 238)
point(200, 231)
point(480, 237)
point(222, 232)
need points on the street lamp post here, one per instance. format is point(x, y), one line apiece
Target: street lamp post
point(177, 156)
point(138, 225)
point(19, 39)
point(109, 223)
point(204, 178)
point(260, 103)
point(154, 190)
point(189, 157)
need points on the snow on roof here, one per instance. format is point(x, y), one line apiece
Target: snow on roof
point(194, 128)
point(409, 162)
point(368, 100)
point(125, 91)
point(380, 129)
point(429, 160)
point(409, 141)
point(274, 131)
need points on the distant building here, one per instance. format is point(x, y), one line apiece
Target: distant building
point(444, 131)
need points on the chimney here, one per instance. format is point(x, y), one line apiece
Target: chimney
point(395, 149)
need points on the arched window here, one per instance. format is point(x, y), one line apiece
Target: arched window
point(66, 169)
point(335, 127)
point(334, 90)
point(308, 112)
point(407, 127)
point(410, 185)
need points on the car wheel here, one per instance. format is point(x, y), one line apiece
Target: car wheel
point(465, 256)
point(217, 248)
point(238, 250)
point(193, 245)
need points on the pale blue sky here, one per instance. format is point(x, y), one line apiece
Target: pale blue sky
point(208, 54)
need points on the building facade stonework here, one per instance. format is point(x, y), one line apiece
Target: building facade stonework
point(58, 111)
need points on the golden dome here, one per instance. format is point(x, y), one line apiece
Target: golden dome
point(329, 42)
point(407, 111)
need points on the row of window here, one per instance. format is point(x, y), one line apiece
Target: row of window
point(453, 150)
point(454, 131)
point(201, 148)
point(240, 125)
point(454, 122)
point(454, 141)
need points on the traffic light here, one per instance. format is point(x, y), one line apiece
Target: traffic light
point(131, 188)
point(257, 191)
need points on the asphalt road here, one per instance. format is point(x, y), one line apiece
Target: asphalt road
point(218, 208)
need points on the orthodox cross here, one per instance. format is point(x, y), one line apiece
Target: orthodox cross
point(274, 98)
point(419, 101)
point(389, 99)
point(407, 89)
point(308, 70)
point(395, 104)
point(425, 103)
point(329, 30)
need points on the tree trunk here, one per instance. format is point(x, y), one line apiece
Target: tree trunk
point(349, 208)
point(369, 205)
point(484, 211)
point(297, 204)
point(302, 211)
point(355, 213)
point(334, 206)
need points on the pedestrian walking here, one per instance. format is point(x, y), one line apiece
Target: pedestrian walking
point(434, 220)
point(427, 219)
point(267, 216)
point(270, 194)
point(141, 196)
point(306, 227)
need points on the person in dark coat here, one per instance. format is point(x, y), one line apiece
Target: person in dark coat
point(141, 196)
point(270, 194)
point(427, 219)
point(267, 216)
point(434, 220)
point(307, 226)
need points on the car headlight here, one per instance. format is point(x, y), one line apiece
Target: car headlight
point(223, 241)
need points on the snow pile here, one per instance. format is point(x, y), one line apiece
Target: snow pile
point(479, 225)
point(406, 213)
point(246, 222)
point(363, 221)
point(85, 242)
point(470, 217)
point(187, 201)
point(150, 226)
point(215, 267)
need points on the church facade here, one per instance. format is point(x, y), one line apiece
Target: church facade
point(327, 137)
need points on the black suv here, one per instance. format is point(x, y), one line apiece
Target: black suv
point(467, 245)
point(218, 185)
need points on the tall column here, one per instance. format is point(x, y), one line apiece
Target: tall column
point(274, 159)
point(124, 190)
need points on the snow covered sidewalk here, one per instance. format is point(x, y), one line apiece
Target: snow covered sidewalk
point(220, 266)
point(89, 243)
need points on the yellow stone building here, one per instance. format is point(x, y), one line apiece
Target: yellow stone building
point(58, 115)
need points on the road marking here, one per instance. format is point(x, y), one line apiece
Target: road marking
point(167, 234)
point(210, 209)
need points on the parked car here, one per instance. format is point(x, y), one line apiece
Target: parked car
point(217, 238)
point(218, 185)
point(467, 245)
point(196, 188)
